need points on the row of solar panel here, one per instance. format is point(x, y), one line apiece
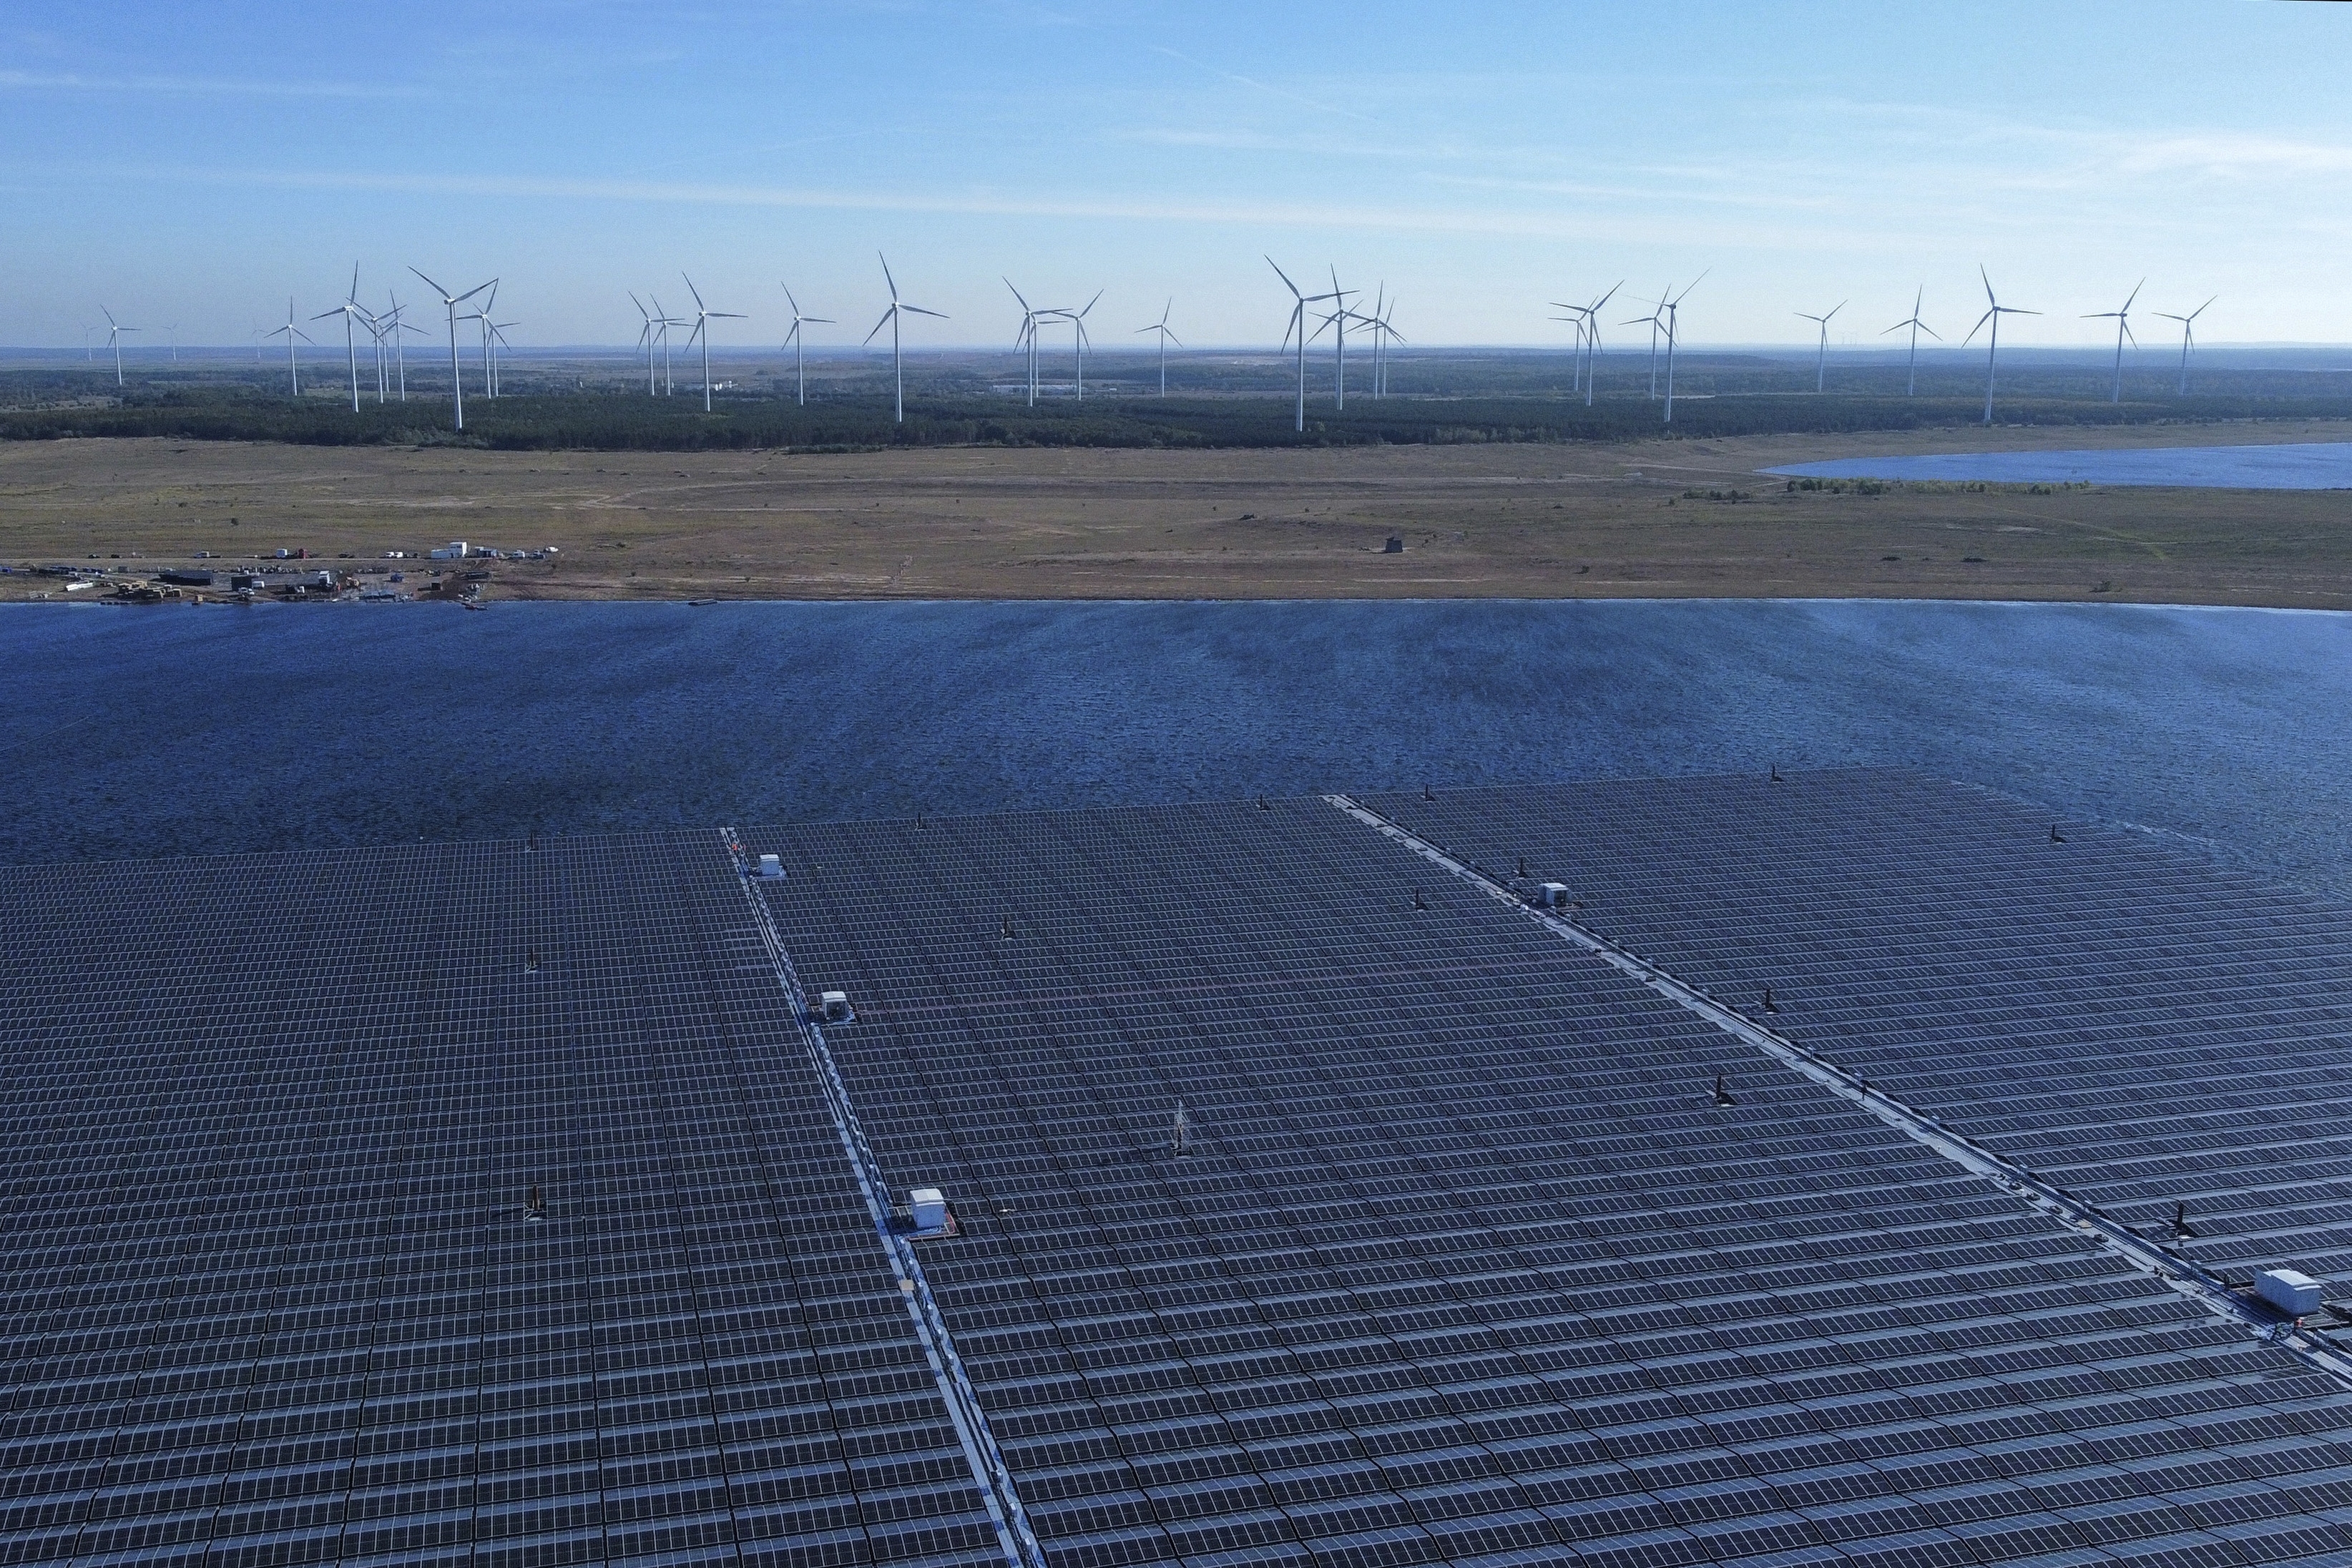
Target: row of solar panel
point(319, 1016)
point(2193, 997)
point(910, 1032)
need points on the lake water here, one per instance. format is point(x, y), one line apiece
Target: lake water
point(2301, 466)
point(129, 732)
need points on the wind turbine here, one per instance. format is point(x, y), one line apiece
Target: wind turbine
point(1298, 325)
point(897, 362)
point(1575, 318)
point(481, 318)
point(1822, 354)
point(1026, 342)
point(1993, 313)
point(114, 331)
point(663, 322)
point(498, 342)
point(293, 375)
point(1078, 320)
point(399, 343)
point(174, 330)
point(1341, 314)
point(646, 339)
point(1383, 334)
point(1911, 386)
point(379, 328)
point(1674, 337)
point(1592, 336)
point(2188, 337)
point(798, 345)
point(703, 316)
point(450, 303)
point(2123, 330)
point(1166, 337)
point(1656, 321)
point(348, 311)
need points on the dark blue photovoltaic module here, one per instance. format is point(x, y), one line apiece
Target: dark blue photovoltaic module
point(1462, 1262)
point(1301, 1203)
point(450, 1204)
point(2169, 1040)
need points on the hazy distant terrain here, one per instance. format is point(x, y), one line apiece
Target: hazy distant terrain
point(598, 403)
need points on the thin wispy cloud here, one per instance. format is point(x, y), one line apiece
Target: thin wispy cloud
point(1255, 85)
point(195, 87)
point(1521, 223)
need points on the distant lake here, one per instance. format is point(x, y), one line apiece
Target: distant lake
point(2301, 466)
point(137, 733)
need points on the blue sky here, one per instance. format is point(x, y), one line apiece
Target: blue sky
point(195, 164)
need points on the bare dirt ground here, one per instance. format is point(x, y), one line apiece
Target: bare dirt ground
point(1476, 520)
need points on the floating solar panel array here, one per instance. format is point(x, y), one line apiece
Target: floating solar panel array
point(451, 1205)
point(1463, 1256)
point(2168, 1040)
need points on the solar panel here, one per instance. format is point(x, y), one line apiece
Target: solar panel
point(275, 1134)
point(1453, 1193)
point(483, 1203)
point(2100, 1004)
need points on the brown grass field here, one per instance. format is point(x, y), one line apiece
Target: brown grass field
point(1532, 521)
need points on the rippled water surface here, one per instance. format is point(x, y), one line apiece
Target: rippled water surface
point(141, 732)
point(2299, 466)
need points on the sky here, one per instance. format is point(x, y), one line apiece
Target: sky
point(188, 166)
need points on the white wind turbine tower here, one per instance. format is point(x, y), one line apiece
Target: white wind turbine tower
point(1377, 324)
point(1341, 314)
point(1025, 344)
point(663, 322)
point(350, 311)
point(1298, 325)
point(1575, 318)
point(380, 328)
point(703, 316)
point(1166, 337)
point(1911, 384)
point(114, 331)
point(173, 330)
point(450, 303)
point(1656, 321)
point(1993, 313)
point(1822, 354)
point(1591, 334)
point(500, 342)
point(2123, 330)
point(2187, 338)
point(293, 374)
point(481, 318)
point(1672, 307)
point(1078, 320)
point(646, 339)
point(798, 343)
point(898, 361)
point(399, 343)
point(1383, 334)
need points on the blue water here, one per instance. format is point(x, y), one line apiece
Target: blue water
point(131, 732)
point(2302, 466)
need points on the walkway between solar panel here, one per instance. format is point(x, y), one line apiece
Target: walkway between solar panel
point(1015, 1537)
point(2183, 1273)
